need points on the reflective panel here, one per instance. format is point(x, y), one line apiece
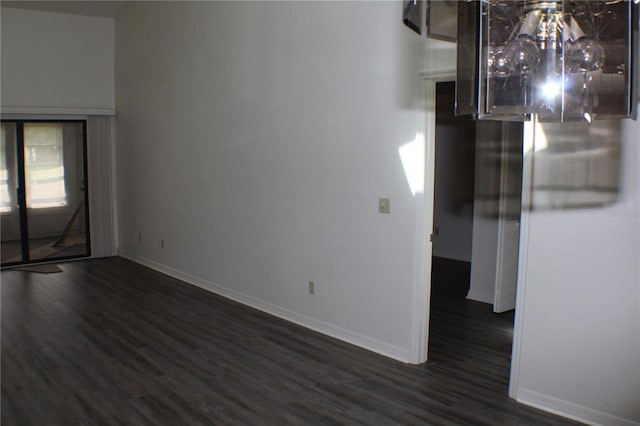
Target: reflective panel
point(575, 165)
point(562, 60)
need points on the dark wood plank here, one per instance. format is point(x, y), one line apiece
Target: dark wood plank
point(109, 342)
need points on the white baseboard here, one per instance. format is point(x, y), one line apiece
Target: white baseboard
point(374, 345)
point(570, 410)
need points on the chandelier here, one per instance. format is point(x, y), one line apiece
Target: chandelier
point(561, 60)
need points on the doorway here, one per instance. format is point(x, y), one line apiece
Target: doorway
point(454, 179)
point(477, 203)
point(477, 192)
point(43, 191)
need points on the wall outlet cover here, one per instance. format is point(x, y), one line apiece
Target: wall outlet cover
point(384, 205)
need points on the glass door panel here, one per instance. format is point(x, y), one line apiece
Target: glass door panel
point(55, 196)
point(10, 232)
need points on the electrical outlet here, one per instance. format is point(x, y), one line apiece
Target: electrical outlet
point(312, 287)
point(384, 205)
point(139, 236)
point(161, 243)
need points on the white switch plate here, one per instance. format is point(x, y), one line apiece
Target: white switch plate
point(384, 205)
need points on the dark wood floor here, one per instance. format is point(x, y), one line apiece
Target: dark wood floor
point(109, 342)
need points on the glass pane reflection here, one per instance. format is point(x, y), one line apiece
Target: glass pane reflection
point(575, 165)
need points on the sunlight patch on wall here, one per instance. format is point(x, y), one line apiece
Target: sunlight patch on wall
point(412, 157)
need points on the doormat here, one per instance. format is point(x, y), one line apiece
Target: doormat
point(41, 269)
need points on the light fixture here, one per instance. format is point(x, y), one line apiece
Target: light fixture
point(562, 60)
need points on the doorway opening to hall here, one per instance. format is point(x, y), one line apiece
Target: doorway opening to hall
point(477, 199)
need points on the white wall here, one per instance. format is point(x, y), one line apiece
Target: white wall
point(255, 139)
point(55, 63)
point(579, 305)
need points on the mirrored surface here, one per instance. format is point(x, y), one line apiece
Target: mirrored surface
point(575, 165)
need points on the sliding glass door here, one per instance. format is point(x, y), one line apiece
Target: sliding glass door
point(43, 193)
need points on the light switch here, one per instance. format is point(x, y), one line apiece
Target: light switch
point(384, 205)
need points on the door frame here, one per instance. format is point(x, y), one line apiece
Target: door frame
point(424, 227)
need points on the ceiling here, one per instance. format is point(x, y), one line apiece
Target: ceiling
point(106, 9)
